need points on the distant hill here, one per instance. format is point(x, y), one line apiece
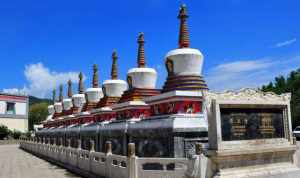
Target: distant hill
point(35, 100)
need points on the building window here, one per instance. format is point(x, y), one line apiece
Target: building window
point(10, 108)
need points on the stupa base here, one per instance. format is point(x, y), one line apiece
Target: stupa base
point(136, 94)
point(185, 83)
point(89, 106)
point(107, 101)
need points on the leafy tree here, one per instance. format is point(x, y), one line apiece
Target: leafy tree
point(37, 113)
point(4, 131)
point(289, 84)
point(16, 134)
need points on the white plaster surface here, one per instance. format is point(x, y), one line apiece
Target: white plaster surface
point(58, 107)
point(94, 94)
point(67, 104)
point(114, 88)
point(15, 123)
point(51, 109)
point(186, 61)
point(78, 100)
point(143, 77)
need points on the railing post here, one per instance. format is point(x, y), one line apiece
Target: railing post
point(108, 151)
point(61, 142)
point(79, 144)
point(108, 147)
point(197, 164)
point(92, 146)
point(132, 161)
point(294, 141)
point(199, 149)
point(69, 143)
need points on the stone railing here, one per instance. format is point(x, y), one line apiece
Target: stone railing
point(98, 164)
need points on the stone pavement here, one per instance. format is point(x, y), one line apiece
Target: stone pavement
point(16, 163)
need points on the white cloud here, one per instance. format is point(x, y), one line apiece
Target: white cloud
point(15, 91)
point(42, 80)
point(285, 43)
point(250, 73)
point(243, 66)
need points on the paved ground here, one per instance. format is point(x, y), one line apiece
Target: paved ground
point(16, 163)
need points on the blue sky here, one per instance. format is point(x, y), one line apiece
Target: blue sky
point(245, 43)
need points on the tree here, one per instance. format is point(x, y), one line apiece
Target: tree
point(37, 113)
point(291, 84)
point(4, 131)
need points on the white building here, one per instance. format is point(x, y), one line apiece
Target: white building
point(14, 111)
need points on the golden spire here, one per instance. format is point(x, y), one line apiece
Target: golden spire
point(61, 97)
point(54, 95)
point(70, 93)
point(95, 76)
point(141, 51)
point(184, 39)
point(80, 85)
point(114, 67)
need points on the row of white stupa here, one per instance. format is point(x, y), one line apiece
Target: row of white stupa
point(186, 62)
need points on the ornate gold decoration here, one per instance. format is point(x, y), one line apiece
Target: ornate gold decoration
point(170, 66)
point(129, 81)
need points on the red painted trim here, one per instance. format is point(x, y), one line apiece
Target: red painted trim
point(9, 97)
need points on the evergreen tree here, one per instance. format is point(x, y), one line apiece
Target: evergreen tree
point(291, 84)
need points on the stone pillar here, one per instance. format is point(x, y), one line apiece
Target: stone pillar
point(199, 149)
point(108, 147)
point(294, 141)
point(69, 143)
point(132, 171)
point(61, 142)
point(108, 151)
point(79, 144)
point(92, 146)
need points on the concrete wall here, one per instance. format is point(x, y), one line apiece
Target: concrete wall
point(18, 124)
point(17, 120)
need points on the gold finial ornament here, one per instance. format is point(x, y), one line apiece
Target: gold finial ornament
point(95, 76)
point(184, 39)
point(141, 51)
point(80, 86)
point(70, 92)
point(114, 68)
point(61, 97)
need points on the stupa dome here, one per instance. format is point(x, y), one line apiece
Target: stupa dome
point(114, 87)
point(94, 94)
point(58, 107)
point(78, 100)
point(51, 110)
point(67, 104)
point(141, 77)
point(184, 65)
point(184, 61)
